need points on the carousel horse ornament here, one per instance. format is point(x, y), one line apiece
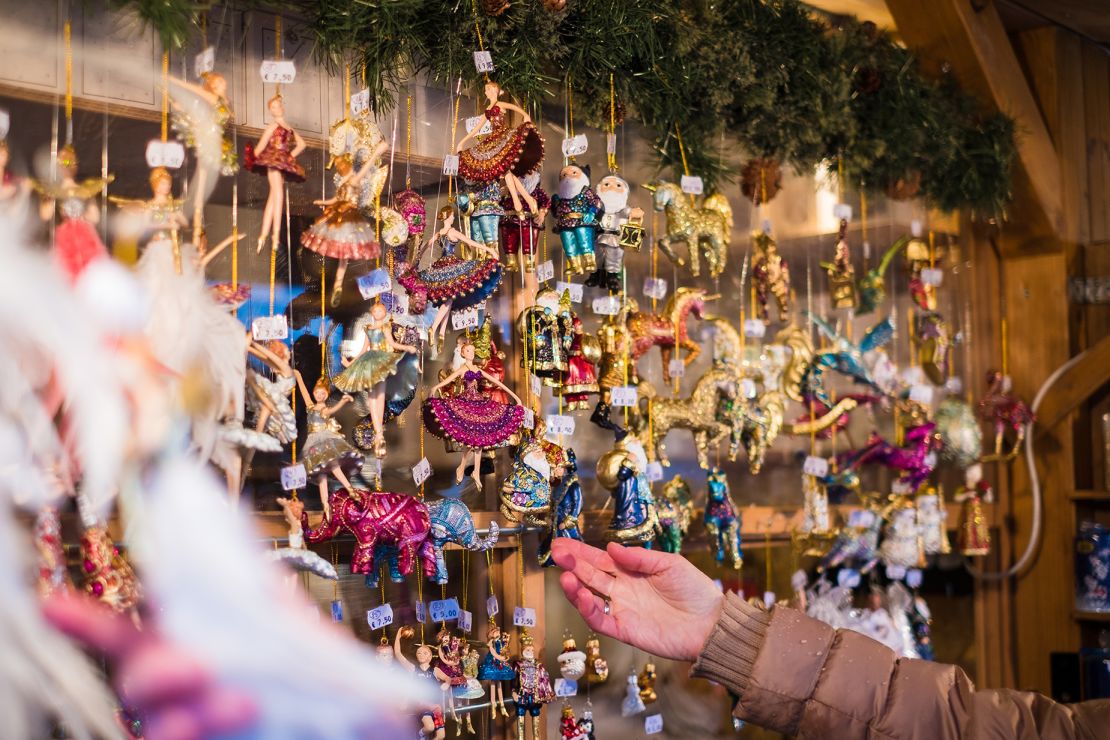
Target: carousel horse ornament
point(698, 413)
point(722, 522)
point(1003, 409)
point(675, 510)
point(451, 521)
point(846, 357)
point(798, 341)
point(705, 229)
point(756, 424)
point(667, 330)
point(395, 523)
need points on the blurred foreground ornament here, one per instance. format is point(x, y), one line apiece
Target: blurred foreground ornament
point(646, 683)
point(108, 577)
point(973, 537)
point(633, 703)
point(872, 286)
point(960, 435)
point(296, 555)
point(1005, 411)
point(842, 275)
point(597, 668)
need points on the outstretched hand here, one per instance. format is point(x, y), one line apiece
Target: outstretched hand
point(659, 602)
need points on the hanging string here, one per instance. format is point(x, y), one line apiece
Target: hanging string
point(235, 227)
point(520, 567)
point(612, 156)
point(67, 36)
point(273, 277)
point(279, 48)
point(682, 153)
point(419, 596)
point(408, 147)
point(165, 96)
point(767, 543)
point(204, 30)
point(863, 228)
point(346, 90)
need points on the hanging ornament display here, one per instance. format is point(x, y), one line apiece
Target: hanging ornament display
point(675, 511)
point(722, 522)
point(842, 275)
point(705, 230)
point(960, 434)
point(770, 277)
point(495, 668)
point(520, 230)
point(526, 492)
point(622, 470)
point(697, 413)
point(973, 538)
point(615, 368)
point(621, 228)
point(1006, 413)
point(577, 211)
point(275, 157)
point(872, 286)
point(545, 334)
point(452, 523)
point(532, 689)
point(572, 661)
point(76, 242)
point(597, 668)
point(633, 703)
point(295, 554)
point(646, 683)
point(566, 507)
point(431, 716)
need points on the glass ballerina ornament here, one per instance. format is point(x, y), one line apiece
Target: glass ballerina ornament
point(203, 119)
point(451, 282)
point(326, 450)
point(377, 358)
point(275, 156)
point(269, 399)
point(496, 669)
point(506, 153)
point(342, 232)
point(431, 715)
point(157, 218)
point(471, 419)
point(76, 243)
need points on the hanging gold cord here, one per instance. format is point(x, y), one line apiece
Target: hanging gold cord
point(454, 134)
point(612, 156)
point(346, 90)
point(335, 565)
point(767, 554)
point(419, 596)
point(408, 148)
point(323, 313)
point(278, 48)
point(570, 108)
point(165, 96)
point(682, 153)
point(381, 581)
point(443, 596)
point(478, 32)
point(863, 227)
point(67, 36)
point(466, 579)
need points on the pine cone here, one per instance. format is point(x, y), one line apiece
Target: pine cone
point(905, 188)
point(868, 80)
point(494, 7)
point(761, 179)
point(619, 111)
point(554, 6)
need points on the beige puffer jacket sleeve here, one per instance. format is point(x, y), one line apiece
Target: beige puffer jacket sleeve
point(799, 676)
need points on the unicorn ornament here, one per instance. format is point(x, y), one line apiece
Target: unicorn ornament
point(704, 230)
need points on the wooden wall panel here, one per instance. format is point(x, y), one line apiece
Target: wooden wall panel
point(1096, 92)
point(32, 33)
point(120, 60)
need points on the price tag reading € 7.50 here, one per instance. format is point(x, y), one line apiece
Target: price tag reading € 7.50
point(466, 620)
point(467, 319)
point(575, 290)
point(380, 617)
point(815, 466)
point(608, 305)
point(360, 102)
point(653, 724)
point(421, 471)
point(575, 145)
point(625, 395)
point(560, 424)
point(265, 328)
point(446, 610)
point(293, 477)
point(278, 71)
point(492, 607)
point(565, 687)
point(545, 271)
point(524, 616)
point(691, 185)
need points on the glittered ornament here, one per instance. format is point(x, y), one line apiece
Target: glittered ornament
point(761, 180)
point(494, 7)
point(554, 6)
point(868, 81)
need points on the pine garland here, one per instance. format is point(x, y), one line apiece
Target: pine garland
point(771, 76)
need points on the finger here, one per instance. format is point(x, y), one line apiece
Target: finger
point(158, 673)
point(571, 586)
point(639, 560)
point(592, 608)
point(567, 552)
point(90, 623)
point(596, 580)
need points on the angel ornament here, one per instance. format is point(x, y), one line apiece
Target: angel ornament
point(275, 156)
point(974, 535)
point(203, 119)
point(269, 399)
point(505, 153)
point(76, 243)
point(471, 419)
point(377, 358)
point(159, 218)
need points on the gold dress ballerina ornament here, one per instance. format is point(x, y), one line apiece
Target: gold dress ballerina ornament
point(771, 276)
point(842, 276)
point(705, 230)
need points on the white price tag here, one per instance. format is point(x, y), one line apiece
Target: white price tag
point(848, 578)
point(932, 276)
point(922, 394)
point(421, 471)
point(653, 724)
point(536, 384)
point(396, 303)
point(483, 61)
point(676, 368)
point(564, 688)
point(610, 143)
point(466, 319)
point(900, 488)
point(769, 599)
point(545, 271)
point(360, 102)
point(575, 145)
point(529, 421)
point(466, 620)
point(560, 424)
point(815, 466)
point(654, 471)
point(380, 617)
point(374, 283)
point(524, 616)
point(446, 610)
point(170, 154)
point(754, 328)
point(954, 385)
point(655, 288)
point(575, 290)
point(914, 576)
point(861, 518)
point(473, 121)
point(278, 71)
point(625, 395)
point(265, 328)
point(842, 211)
point(748, 388)
point(492, 608)
point(293, 477)
point(608, 305)
point(451, 165)
point(421, 611)
point(691, 184)
point(5, 123)
point(913, 376)
point(915, 228)
point(866, 250)
point(896, 572)
point(204, 61)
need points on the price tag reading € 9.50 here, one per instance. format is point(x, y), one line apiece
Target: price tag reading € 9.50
point(293, 477)
point(524, 616)
point(265, 328)
point(380, 617)
point(625, 395)
point(483, 61)
point(421, 471)
point(467, 319)
point(815, 466)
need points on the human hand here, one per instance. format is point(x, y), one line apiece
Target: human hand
point(176, 696)
point(659, 602)
point(347, 398)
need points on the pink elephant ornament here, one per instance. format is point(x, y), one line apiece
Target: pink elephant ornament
point(385, 524)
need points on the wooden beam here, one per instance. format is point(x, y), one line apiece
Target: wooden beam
point(1078, 383)
point(978, 49)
